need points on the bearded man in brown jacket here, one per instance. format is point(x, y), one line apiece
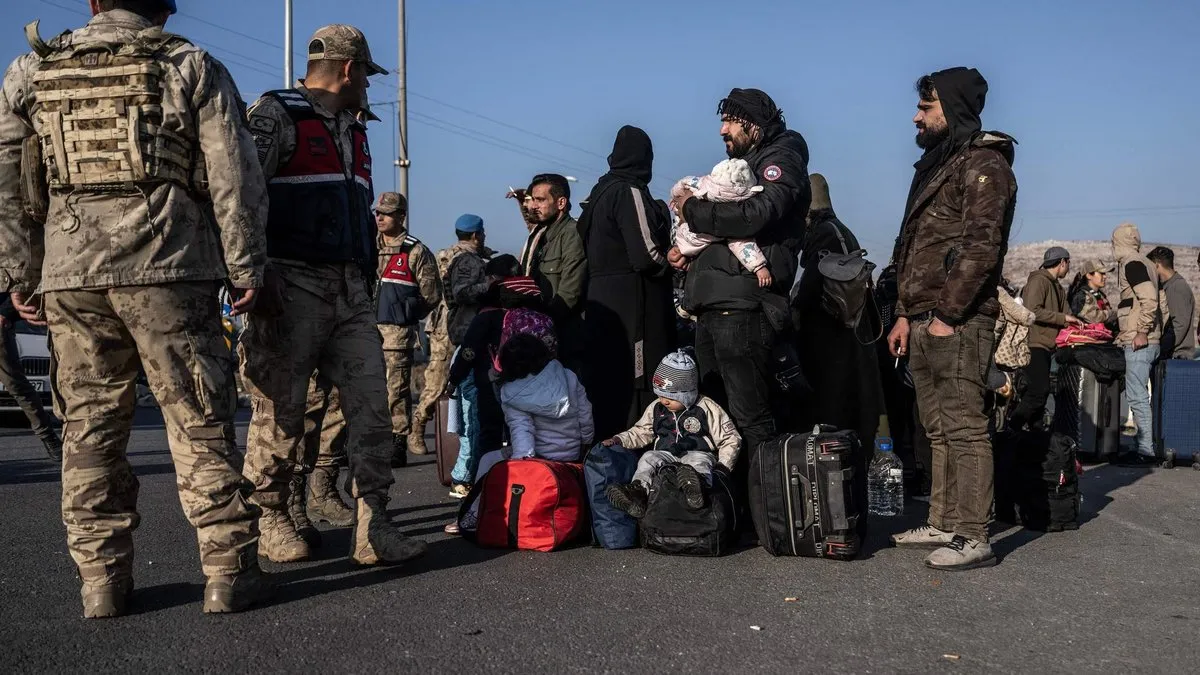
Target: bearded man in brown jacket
point(949, 257)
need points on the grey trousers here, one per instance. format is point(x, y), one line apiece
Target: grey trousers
point(702, 462)
point(12, 376)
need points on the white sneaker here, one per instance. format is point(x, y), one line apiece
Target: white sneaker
point(926, 536)
point(962, 554)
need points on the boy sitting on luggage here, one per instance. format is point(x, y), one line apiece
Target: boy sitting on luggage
point(684, 428)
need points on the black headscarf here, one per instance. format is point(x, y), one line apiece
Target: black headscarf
point(632, 157)
point(962, 92)
point(631, 163)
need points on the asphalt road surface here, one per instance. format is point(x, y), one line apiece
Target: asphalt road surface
point(1118, 595)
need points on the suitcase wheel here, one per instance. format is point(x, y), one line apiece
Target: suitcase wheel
point(1196, 465)
point(1168, 459)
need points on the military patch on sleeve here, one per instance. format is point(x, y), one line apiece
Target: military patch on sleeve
point(728, 427)
point(264, 145)
point(468, 354)
point(772, 173)
point(261, 124)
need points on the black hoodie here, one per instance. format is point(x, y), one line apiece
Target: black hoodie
point(962, 92)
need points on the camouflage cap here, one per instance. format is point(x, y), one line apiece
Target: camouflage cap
point(391, 202)
point(1095, 265)
point(341, 42)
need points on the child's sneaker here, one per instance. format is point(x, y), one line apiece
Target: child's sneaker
point(459, 491)
point(691, 486)
point(631, 498)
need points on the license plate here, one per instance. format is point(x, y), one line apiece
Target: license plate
point(38, 385)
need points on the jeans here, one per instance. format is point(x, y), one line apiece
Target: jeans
point(1137, 379)
point(949, 375)
point(733, 355)
point(1032, 408)
point(701, 460)
point(468, 440)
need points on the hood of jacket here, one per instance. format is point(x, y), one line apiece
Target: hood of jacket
point(544, 394)
point(1126, 241)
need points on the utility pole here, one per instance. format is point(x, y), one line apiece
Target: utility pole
point(287, 44)
point(402, 109)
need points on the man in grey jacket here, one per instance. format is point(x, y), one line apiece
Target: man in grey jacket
point(1181, 305)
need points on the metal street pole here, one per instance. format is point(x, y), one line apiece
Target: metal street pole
point(402, 109)
point(287, 44)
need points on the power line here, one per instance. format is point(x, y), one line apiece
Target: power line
point(498, 143)
point(395, 86)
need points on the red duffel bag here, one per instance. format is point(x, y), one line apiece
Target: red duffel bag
point(529, 504)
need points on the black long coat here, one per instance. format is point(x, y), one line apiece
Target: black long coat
point(629, 316)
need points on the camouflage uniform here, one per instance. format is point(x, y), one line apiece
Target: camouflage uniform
point(130, 261)
point(399, 342)
point(462, 289)
point(327, 324)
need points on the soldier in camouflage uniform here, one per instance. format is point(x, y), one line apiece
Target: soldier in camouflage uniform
point(464, 281)
point(314, 488)
point(321, 245)
point(130, 261)
point(949, 257)
point(409, 288)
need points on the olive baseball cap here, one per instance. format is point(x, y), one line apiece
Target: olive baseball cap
point(341, 42)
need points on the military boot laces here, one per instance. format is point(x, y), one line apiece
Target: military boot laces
point(416, 437)
point(236, 592)
point(279, 542)
point(376, 541)
point(325, 504)
point(299, 514)
point(107, 601)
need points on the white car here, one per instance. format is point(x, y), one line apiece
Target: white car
point(35, 361)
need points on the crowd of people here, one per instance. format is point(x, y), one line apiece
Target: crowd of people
point(135, 186)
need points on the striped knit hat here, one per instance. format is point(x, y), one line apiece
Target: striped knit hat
point(676, 379)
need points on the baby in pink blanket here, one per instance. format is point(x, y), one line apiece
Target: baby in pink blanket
point(730, 181)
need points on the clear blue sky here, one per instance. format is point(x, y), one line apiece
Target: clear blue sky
point(1102, 95)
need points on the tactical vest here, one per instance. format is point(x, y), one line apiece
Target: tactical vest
point(398, 300)
point(97, 109)
point(682, 433)
point(320, 212)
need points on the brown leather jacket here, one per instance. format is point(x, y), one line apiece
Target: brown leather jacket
point(951, 248)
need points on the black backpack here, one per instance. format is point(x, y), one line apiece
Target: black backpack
point(671, 528)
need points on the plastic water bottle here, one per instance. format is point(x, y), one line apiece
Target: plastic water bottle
point(885, 481)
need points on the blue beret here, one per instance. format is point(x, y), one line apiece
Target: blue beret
point(469, 222)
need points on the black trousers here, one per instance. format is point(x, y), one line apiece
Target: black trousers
point(1032, 407)
point(733, 355)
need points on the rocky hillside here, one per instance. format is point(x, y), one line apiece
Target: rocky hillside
point(1025, 258)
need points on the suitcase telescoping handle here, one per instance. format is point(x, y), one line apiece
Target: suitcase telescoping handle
point(801, 500)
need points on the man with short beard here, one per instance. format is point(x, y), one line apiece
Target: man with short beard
point(554, 256)
point(734, 336)
point(949, 258)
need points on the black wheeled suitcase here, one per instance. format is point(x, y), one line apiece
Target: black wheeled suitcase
point(1088, 410)
point(803, 496)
